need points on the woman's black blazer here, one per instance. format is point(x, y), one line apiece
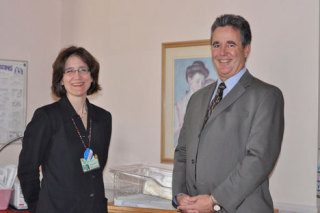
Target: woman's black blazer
point(51, 142)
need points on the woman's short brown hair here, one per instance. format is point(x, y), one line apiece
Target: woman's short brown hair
point(58, 69)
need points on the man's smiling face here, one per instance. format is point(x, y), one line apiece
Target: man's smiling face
point(228, 53)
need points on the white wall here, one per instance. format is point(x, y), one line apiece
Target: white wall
point(30, 30)
point(126, 38)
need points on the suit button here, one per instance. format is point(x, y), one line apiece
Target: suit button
point(193, 161)
point(91, 195)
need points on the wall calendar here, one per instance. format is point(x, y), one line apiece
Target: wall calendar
point(13, 86)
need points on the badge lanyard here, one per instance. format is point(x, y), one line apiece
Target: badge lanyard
point(89, 161)
point(88, 153)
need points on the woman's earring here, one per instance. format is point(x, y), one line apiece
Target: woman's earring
point(61, 85)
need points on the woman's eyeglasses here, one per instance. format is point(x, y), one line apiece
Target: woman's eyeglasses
point(81, 70)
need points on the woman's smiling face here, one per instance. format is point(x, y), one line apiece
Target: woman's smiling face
point(76, 82)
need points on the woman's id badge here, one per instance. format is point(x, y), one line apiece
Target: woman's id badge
point(90, 164)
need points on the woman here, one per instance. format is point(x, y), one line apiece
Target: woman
point(69, 140)
point(196, 76)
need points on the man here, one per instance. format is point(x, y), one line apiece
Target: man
point(232, 132)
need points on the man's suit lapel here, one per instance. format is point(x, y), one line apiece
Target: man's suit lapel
point(205, 101)
point(232, 96)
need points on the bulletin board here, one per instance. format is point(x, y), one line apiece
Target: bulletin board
point(13, 86)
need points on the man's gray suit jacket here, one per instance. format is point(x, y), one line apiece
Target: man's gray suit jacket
point(232, 156)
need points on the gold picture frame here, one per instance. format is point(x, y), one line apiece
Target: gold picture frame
point(177, 57)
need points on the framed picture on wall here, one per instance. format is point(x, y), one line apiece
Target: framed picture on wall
point(186, 68)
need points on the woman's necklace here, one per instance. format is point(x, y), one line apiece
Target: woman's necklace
point(83, 115)
point(84, 110)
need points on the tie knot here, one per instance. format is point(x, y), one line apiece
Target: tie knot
point(221, 86)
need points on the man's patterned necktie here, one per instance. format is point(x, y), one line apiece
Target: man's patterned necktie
point(217, 98)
